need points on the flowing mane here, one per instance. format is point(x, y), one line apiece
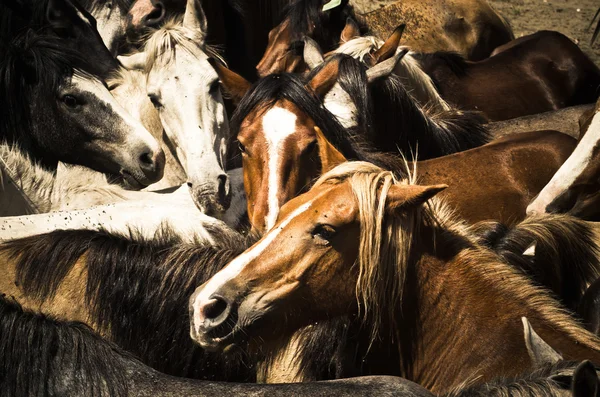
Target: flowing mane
point(385, 242)
point(42, 356)
point(134, 280)
point(395, 119)
point(362, 47)
point(162, 43)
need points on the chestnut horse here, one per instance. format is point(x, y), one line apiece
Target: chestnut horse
point(575, 188)
point(283, 154)
point(470, 27)
point(541, 72)
point(402, 268)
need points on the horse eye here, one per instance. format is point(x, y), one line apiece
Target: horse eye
point(323, 234)
point(242, 147)
point(70, 101)
point(155, 101)
point(310, 148)
point(214, 87)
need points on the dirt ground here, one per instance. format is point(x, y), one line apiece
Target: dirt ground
point(570, 17)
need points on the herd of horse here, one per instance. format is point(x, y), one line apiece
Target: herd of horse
point(284, 197)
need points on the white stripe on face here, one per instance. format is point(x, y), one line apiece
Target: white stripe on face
point(569, 171)
point(237, 265)
point(278, 124)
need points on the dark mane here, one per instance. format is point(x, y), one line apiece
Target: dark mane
point(32, 62)
point(41, 357)
point(548, 380)
point(393, 120)
point(562, 271)
point(267, 91)
point(137, 291)
point(302, 15)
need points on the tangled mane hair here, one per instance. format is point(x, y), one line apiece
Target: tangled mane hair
point(362, 48)
point(395, 120)
point(136, 290)
point(32, 61)
point(546, 381)
point(385, 241)
point(40, 356)
point(162, 44)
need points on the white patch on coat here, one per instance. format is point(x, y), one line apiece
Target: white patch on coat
point(569, 171)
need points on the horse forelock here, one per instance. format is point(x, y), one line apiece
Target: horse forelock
point(385, 241)
point(161, 44)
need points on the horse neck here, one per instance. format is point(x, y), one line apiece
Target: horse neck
point(421, 84)
point(480, 302)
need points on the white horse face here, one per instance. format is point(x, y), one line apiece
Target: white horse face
point(185, 90)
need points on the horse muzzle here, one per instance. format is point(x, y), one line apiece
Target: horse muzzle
point(213, 321)
point(212, 199)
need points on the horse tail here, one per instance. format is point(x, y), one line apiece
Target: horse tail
point(557, 251)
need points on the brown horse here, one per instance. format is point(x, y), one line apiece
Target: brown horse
point(283, 154)
point(359, 243)
point(575, 188)
point(541, 72)
point(470, 27)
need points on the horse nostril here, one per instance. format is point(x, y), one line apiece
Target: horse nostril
point(156, 16)
point(146, 159)
point(214, 308)
point(190, 185)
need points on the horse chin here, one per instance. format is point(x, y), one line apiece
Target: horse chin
point(132, 182)
point(209, 206)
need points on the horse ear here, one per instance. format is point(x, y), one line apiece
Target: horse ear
point(401, 197)
point(539, 351)
point(194, 18)
point(585, 380)
point(330, 156)
point(234, 84)
point(385, 68)
point(58, 14)
point(313, 56)
point(135, 61)
point(324, 80)
point(390, 46)
point(350, 31)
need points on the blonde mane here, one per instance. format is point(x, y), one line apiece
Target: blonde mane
point(419, 84)
point(161, 44)
point(385, 242)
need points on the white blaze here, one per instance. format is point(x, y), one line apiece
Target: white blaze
point(237, 265)
point(278, 124)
